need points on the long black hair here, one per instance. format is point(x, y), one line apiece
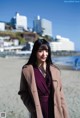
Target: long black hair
point(33, 58)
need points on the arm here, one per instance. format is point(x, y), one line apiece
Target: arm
point(63, 102)
point(26, 95)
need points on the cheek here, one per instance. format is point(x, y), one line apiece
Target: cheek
point(38, 55)
point(46, 53)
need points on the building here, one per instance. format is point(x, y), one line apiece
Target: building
point(19, 22)
point(62, 44)
point(47, 27)
point(2, 26)
point(42, 26)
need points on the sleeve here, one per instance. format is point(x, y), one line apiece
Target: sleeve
point(63, 101)
point(26, 95)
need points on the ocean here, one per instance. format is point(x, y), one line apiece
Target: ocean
point(73, 61)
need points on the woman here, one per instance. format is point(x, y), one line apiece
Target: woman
point(40, 86)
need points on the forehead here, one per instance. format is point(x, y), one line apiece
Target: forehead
point(43, 47)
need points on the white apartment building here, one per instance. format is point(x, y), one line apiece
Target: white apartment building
point(19, 21)
point(62, 44)
point(2, 26)
point(42, 26)
point(47, 27)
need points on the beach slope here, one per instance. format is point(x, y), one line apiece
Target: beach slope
point(10, 102)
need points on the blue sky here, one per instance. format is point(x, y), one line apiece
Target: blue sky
point(64, 14)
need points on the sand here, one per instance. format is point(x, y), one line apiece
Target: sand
point(10, 102)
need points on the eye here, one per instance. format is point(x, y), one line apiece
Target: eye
point(46, 50)
point(39, 50)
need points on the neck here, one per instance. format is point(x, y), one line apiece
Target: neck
point(42, 65)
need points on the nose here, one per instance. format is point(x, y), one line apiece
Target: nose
point(44, 52)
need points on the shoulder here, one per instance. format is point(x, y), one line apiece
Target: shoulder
point(27, 71)
point(53, 66)
point(27, 68)
point(55, 69)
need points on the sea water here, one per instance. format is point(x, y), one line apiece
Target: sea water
point(73, 61)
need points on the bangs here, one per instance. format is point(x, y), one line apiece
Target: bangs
point(43, 47)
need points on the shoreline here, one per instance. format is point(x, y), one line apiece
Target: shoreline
point(60, 66)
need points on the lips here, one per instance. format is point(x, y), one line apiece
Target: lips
point(43, 57)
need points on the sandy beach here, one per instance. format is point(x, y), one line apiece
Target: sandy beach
point(10, 102)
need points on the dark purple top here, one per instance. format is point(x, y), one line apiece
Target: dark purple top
point(44, 86)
